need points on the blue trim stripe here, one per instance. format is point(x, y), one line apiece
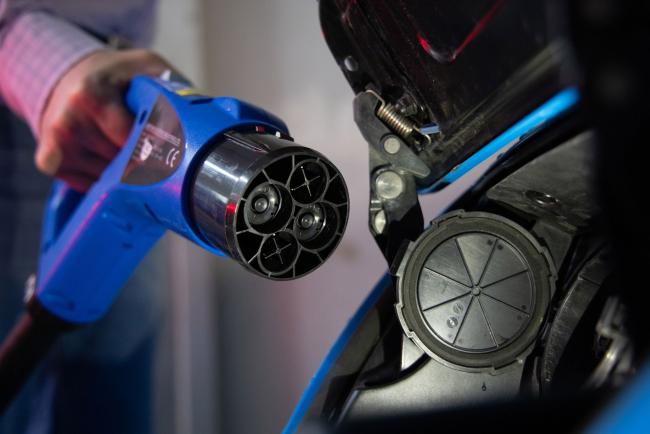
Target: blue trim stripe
point(629, 413)
point(334, 353)
point(548, 111)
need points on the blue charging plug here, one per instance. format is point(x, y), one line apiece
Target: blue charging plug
point(220, 172)
point(189, 165)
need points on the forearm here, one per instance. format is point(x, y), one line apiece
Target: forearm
point(36, 49)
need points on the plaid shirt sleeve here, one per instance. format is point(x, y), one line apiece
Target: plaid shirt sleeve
point(36, 49)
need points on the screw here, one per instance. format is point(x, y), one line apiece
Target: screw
point(389, 185)
point(350, 64)
point(392, 145)
point(542, 199)
point(379, 221)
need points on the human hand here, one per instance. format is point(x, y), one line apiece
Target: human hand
point(85, 122)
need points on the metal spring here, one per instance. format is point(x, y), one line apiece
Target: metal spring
point(394, 120)
point(398, 123)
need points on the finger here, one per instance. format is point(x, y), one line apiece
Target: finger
point(79, 130)
point(48, 157)
point(72, 141)
point(114, 121)
point(157, 68)
point(78, 181)
point(95, 141)
point(81, 160)
point(147, 63)
point(101, 101)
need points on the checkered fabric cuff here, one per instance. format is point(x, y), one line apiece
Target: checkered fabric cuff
point(37, 48)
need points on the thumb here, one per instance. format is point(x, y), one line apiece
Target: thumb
point(115, 121)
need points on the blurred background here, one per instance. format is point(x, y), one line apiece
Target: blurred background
point(237, 350)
